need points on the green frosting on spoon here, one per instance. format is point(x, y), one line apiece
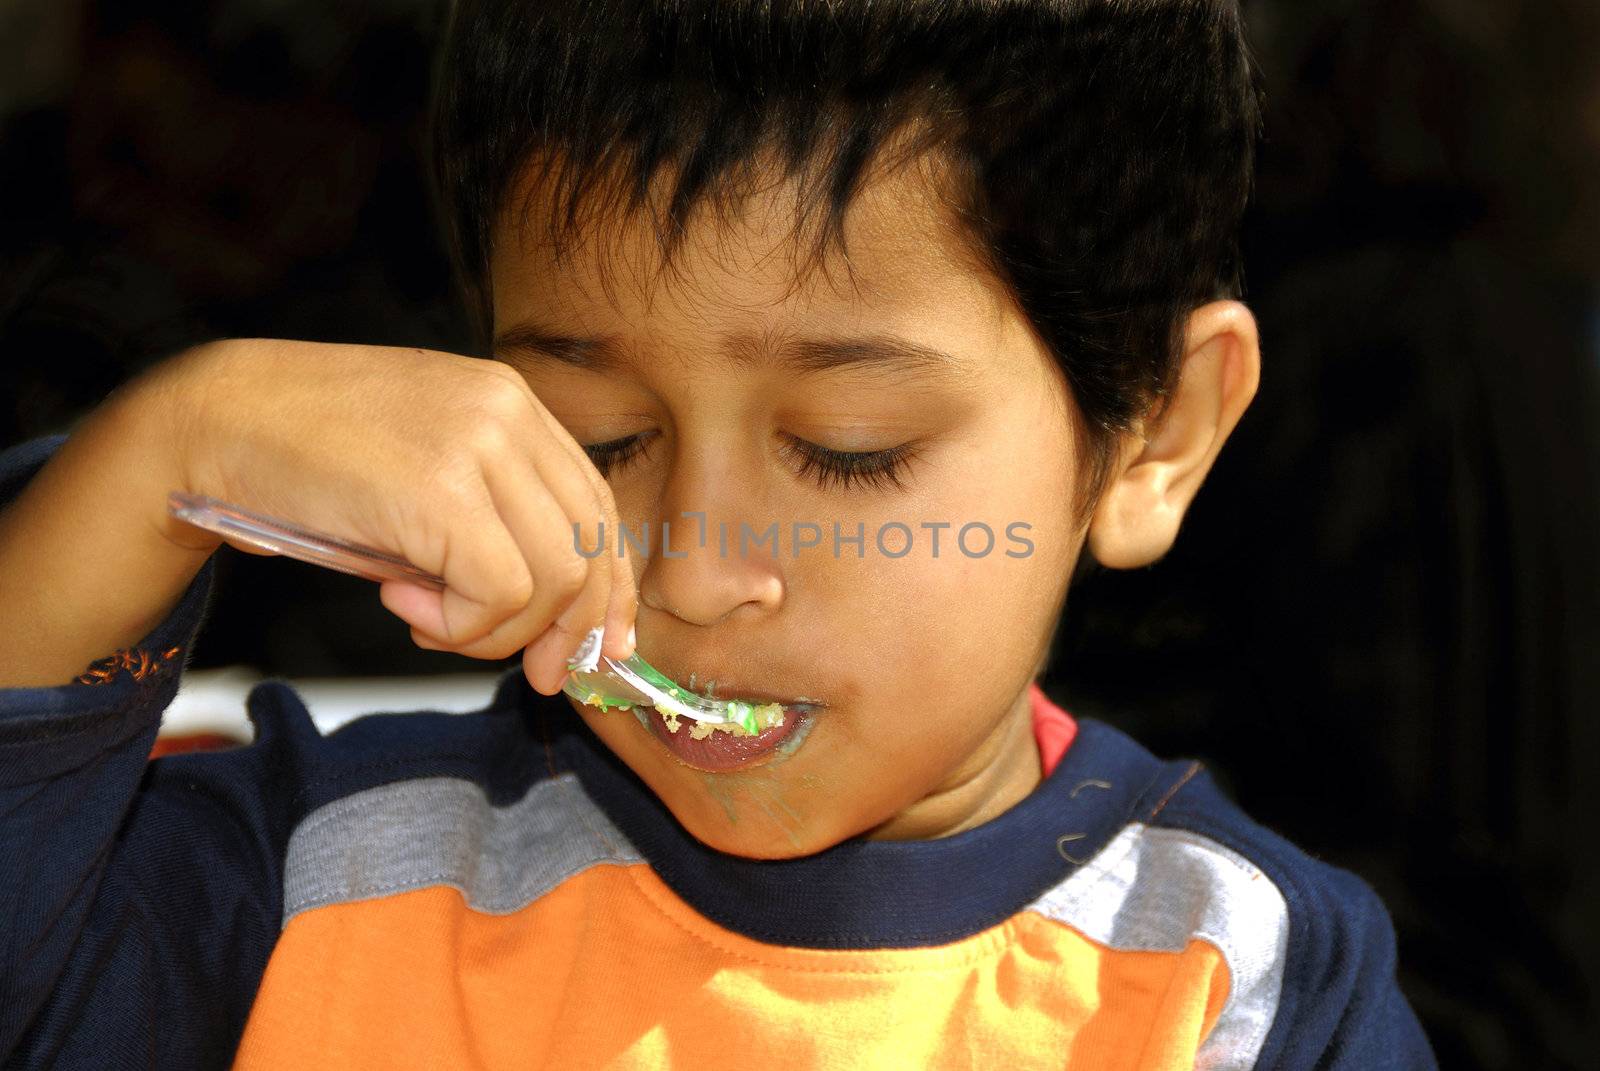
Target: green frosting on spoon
point(737, 711)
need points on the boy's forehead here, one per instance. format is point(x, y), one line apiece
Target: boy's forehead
point(762, 247)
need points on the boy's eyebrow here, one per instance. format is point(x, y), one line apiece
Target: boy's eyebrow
point(882, 354)
point(529, 343)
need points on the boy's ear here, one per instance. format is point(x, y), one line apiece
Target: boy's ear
point(1160, 470)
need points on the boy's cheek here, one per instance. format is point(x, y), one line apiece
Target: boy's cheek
point(932, 624)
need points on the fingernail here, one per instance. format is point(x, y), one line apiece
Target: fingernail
point(587, 656)
point(633, 639)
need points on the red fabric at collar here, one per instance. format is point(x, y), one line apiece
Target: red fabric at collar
point(1053, 728)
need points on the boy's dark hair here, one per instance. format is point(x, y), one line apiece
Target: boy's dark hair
point(1099, 152)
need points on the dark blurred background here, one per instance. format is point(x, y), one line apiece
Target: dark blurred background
point(1381, 627)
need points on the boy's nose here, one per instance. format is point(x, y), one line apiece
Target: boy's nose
point(700, 570)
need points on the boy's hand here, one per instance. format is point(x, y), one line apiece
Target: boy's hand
point(450, 462)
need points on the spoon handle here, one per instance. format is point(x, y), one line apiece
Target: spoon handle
point(293, 541)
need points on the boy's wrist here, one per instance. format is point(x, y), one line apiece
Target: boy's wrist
point(90, 562)
point(152, 419)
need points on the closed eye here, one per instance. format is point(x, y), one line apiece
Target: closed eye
point(844, 469)
point(614, 455)
point(829, 468)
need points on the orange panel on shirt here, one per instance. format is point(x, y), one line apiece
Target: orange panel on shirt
point(612, 969)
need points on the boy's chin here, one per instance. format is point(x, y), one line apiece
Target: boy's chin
point(729, 818)
point(769, 843)
point(748, 813)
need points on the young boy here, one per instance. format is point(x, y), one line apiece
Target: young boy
point(834, 289)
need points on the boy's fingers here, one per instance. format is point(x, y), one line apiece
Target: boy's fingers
point(413, 604)
point(542, 484)
point(487, 578)
point(537, 523)
point(622, 606)
point(623, 610)
point(546, 659)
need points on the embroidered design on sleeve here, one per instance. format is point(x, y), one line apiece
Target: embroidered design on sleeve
point(139, 662)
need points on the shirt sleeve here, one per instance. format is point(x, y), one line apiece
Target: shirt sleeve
point(1348, 1013)
point(135, 910)
point(1335, 1001)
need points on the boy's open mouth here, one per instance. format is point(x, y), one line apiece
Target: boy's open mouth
point(716, 751)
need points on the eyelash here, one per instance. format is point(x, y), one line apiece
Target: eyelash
point(829, 468)
point(876, 469)
point(608, 457)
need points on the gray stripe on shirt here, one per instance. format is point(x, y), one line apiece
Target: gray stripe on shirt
point(444, 831)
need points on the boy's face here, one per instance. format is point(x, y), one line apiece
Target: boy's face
point(922, 661)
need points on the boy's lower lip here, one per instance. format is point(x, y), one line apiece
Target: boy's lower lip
point(721, 751)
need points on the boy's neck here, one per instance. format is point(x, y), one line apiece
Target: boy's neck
point(1001, 773)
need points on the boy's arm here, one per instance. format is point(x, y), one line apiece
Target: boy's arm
point(133, 923)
